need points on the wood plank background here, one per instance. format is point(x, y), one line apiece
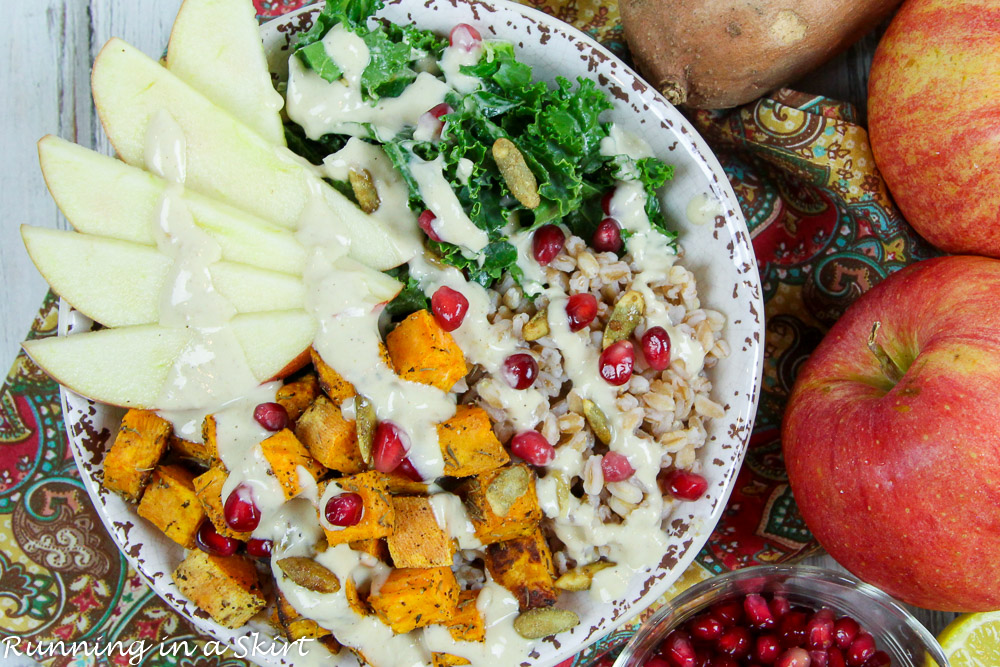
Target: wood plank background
point(49, 46)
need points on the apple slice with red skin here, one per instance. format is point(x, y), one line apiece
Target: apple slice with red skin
point(894, 455)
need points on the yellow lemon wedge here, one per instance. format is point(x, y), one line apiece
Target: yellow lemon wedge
point(973, 640)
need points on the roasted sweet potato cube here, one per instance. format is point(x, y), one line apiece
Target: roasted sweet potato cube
point(331, 644)
point(208, 488)
point(171, 505)
point(286, 455)
point(198, 452)
point(225, 587)
point(414, 597)
point(141, 441)
point(418, 540)
point(330, 381)
point(467, 624)
point(468, 443)
point(421, 351)
point(447, 660)
point(378, 518)
point(209, 435)
point(356, 599)
point(293, 625)
point(331, 439)
point(509, 490)
point(524, 567)
point(377, 548)
point(401, 485)
point(296, 396)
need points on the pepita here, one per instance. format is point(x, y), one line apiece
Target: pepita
point(542, 622)
point(580, 578)
point(309, 574)
point(625, 317)
point(364, 189)
point(598, 421)
point(364, 414)
point(506, 488)
point(537, 326)
point(516, 173)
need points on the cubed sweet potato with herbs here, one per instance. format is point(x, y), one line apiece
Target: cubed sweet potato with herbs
point(171, 505)
point(524, 567)
point(225, 587)
point(331, 382)
point(357, 601)
point(378, 518)
point(468, 444)
point(286, 455)
point(209, 435)
point(331, 439)
point(447, 660)
point(196, 452)
point(141, 441)
point(296, 396)
point(412, 597)
point(208, 488)
point(418, 540)
point(421, 351)
point(467, 624)
point(502, 503)
point(295, 626)
point(376, 548)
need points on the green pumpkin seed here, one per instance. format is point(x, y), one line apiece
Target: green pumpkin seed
point(309, 574)
point(580, 578)
point(598, 421)
point(537, 326)
point(625, 317)
point(543, 622)
point(506, 488)
point(364, 413)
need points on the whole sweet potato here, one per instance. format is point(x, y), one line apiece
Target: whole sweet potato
point(712, 54)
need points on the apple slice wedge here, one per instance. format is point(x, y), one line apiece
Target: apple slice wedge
point(118, 283)
point(129, 366)
point(215, 47)
point(228, 161)
point(104, 196)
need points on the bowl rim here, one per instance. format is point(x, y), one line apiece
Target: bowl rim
point(650, 626)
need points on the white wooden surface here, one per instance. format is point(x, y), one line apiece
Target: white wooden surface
point(48, 47)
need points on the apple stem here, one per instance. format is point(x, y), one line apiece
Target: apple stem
point(889, 367)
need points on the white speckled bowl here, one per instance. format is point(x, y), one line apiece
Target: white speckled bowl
point(718, 251)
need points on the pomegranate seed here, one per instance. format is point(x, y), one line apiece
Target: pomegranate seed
point(240, 511)
point(616, 363)
point(794, 657)
point(439, 110)
point(735, 642)
point(533, 448)
point(581, 310)
point(424, 221)
point(702, 657)
point(616, 467)
point(779, 606)
point(656, 661)
point(391, 445)
point(729, 613)
point(271, 416)
point(845, 630)
point(259, 547)
point(766, 649)
point(819, 657)
point(465, 36)
point(862, 648)
point(758, 613)
point(606, 201)
point(214, 543)
point(724, 661)
point(678, 650)
point(792, 629)
point(879, 659)
point(835, 658)
point(449, 307)
point(520, 370)
point(819, 631)
point(607, 237)
point(706, 628)
point(684, 485)
point(407, 469)
point(656, 348)
point(345, 509)
point(547, 242)
point(430, 121)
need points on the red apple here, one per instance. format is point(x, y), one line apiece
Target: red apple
point(893, 451)
point(934, 120)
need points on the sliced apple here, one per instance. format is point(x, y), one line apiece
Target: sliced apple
point(118, 283)
point(129, 366)
point(228, 161)
point(104, 196)
point(215, 47)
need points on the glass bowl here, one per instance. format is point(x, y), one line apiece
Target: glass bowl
point(894, 629)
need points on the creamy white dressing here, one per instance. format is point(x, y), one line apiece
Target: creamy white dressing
point(451, 515)
point(451, 223)
point(533, 274)
point(456, 57)
point(703, 209)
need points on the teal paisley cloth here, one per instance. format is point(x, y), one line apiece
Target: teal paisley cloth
point(824, 231)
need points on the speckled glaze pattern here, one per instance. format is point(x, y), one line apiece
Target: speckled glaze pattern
point(717, 251)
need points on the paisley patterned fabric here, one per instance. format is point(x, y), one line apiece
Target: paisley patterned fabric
point(824, 231)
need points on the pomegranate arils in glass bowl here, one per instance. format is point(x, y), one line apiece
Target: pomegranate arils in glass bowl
point(581, 309)
point(705, 628)
point(240, 511)
point(794, 657)
point(616, 467)
point(616, 363)
point(533, 448)
point(519, 370)
point(449, 307)
point(424, 221)
point(344, 510)
point(271, 416)
point(844, 631)
point(607, 237)
point(213, 542)
point(656, 348)
point(862, 648)
point(819, 630)
point(766, 649)
point(678, 650)
point(259, 547)
point(465, 36)
point(757, 612)
point(547, 242)
point(389, 447)
point(735, 642)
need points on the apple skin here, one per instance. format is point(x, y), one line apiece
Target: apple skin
point(900, 483)
point(934, 123)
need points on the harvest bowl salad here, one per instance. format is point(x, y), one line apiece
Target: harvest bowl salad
point(412, 367)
